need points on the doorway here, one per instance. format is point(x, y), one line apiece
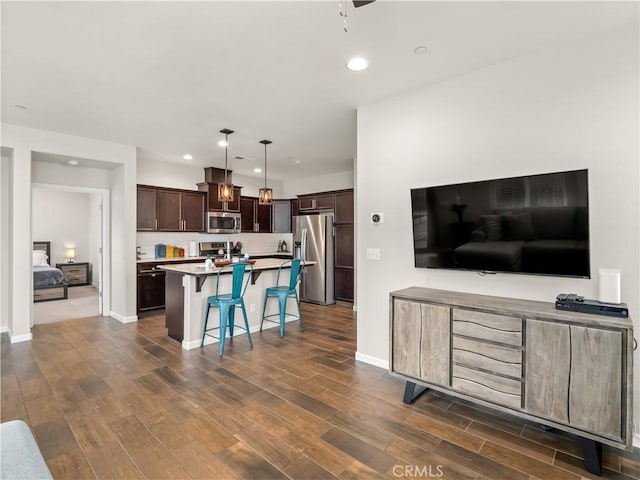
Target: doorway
point(75, 221)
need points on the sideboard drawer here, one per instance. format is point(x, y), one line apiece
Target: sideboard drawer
point(487, 326)
point(487, 356)
point(494, 388)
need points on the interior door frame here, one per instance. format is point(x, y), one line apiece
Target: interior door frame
point(104, 281)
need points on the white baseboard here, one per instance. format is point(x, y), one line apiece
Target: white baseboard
point(636, 440)
point(20, 338)
point(376, 362)
point(4, 329)
point(122, 319)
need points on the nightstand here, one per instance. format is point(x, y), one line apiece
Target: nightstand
point(76, 273)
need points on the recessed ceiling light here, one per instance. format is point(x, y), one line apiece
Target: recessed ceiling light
point(257, 170)
point(19, 107)
point(187, 156)
point(75, 163)
point(421, 50)
point(222, 143)
point(357, 63)
point(239, 157)
point(298, 161)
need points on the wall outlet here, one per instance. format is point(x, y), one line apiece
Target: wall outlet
point(373, 254)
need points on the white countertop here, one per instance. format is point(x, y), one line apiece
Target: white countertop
point(199, 269)
point(203, 258)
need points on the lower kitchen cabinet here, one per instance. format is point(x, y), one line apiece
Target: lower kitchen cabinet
point(150, 287)
point(151, 284)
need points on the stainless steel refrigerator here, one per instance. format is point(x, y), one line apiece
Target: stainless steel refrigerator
point(313, 241)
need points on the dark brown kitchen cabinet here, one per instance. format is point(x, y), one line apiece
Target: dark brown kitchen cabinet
point(253, 215)
point(324, 202)
point(215, 205)
point(170, 210)
point(344, 264)
point(150, 285)
point(344, 207)
point(146, 206)
point(193, 210)
point(344, 245)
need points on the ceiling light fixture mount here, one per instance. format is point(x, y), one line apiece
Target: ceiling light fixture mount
point(265, 197)
point(225, 190)
point(421, 50)
point(187, 156)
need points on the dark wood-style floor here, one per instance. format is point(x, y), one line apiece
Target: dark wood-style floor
point(108, 400)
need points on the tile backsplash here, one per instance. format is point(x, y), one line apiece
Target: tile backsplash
point(252, 243)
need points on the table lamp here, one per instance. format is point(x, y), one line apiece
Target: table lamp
point(71, 254)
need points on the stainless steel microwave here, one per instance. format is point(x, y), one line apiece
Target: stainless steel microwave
point(223, 222)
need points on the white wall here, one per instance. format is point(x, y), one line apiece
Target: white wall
point(166, 174)
point(323, 183)
point(172, 175)
point(62, 218)
point(569, 106)
point(5, 246)
point(23, 142)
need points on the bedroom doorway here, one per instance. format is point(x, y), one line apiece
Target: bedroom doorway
point(75, 220)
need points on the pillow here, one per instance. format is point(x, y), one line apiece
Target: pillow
point(492, 227)
point(518, 226)
point(40, 258)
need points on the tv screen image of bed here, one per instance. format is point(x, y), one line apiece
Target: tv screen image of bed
point(534, 224)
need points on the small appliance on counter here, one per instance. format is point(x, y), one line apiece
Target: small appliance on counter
point(193, 248)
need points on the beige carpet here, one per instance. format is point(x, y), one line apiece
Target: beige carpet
point(82, 303)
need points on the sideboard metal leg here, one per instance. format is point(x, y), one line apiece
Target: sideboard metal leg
point(411, 392)
point(592, 454)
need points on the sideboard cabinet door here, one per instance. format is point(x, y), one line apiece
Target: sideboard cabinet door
point(595, 393)
point(421, 341)
point(547, 361)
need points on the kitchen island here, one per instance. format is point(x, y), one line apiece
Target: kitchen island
point(188, 285)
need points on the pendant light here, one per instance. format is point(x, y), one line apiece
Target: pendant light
point(266, 194)
point(225, 190)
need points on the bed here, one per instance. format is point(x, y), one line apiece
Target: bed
point(48, 282)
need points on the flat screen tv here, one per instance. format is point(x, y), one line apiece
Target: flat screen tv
point(534, 224)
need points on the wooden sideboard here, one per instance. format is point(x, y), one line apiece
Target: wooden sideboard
point(567, 370)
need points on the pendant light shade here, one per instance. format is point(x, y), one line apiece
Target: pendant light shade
point(225, 190)
point(265, 197)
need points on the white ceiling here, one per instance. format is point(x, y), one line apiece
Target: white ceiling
point(167, 76)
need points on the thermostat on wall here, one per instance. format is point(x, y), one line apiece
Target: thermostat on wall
point(377, 217)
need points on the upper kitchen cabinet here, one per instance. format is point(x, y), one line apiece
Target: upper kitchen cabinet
point(147, 205)
point(281, 216)
point(215, 205)
point(253, 216)
point(315, 202)
point(170, 210)
point(344, 207)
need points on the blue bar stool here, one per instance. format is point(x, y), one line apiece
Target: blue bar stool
point(227, 303)
point(283, 292)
